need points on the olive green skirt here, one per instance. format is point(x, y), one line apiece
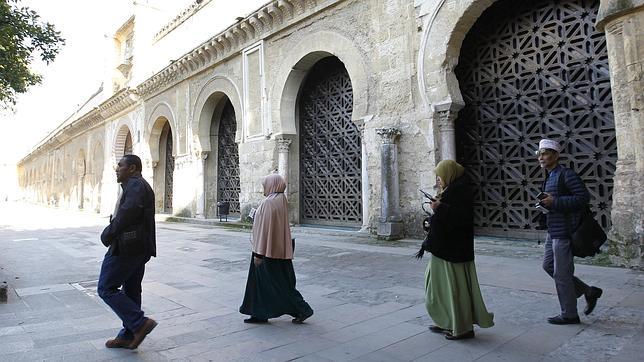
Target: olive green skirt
point(453, 297)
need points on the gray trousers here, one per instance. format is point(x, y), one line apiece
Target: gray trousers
point(558, 263)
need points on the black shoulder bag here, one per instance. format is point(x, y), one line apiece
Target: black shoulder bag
point(588, 236)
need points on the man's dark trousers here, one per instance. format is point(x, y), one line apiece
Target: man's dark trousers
point(126, 272)
point(558, 263)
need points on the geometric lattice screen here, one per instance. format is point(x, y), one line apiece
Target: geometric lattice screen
point(530, 69)
point(330, 148)
point(169, 169)
point(228, 159)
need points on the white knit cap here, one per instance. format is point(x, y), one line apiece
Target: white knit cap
point(550, 144)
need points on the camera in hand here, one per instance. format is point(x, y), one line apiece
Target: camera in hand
point(538, 206)
point(541, 208)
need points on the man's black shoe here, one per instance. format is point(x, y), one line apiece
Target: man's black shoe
point(591, 299)
point(559, 320)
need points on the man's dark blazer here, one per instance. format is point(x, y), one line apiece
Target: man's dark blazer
point(135, 213)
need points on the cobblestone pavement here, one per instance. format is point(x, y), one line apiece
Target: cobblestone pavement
point(367, 296)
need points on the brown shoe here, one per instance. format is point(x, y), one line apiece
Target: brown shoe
point(118, 343)
point(142, 332)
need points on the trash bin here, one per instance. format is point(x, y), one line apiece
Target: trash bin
point(223, 208)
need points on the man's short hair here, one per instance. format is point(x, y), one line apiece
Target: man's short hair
point(133, 160)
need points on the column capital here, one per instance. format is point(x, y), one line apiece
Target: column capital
point(388, 135)
point(203, 155)
point(445, 113)
point(283, 144)
point(360, 125)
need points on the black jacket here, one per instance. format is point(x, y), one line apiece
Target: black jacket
point(451, 232)
point(135, 213)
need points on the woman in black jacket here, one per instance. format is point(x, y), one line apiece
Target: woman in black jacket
point(453, 296)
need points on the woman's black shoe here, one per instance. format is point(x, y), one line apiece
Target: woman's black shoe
point(301, 319)
point(437, 329)
point(255, 320)
point(466, 335)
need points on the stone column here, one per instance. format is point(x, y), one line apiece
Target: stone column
point(283, 145)
point(201, 184)
point(623, 23)
point(445, 114)
point(364, 161)
point(390, 224)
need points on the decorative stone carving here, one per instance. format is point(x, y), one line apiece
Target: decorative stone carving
point(283, 146)
point(389, 135)
point(444, 116)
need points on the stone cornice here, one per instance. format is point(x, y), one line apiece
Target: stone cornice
point(267, 20)
point(179, 19)
point(118, 102)
point(95, 117)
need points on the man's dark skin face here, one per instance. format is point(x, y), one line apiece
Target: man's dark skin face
point(548, 159)
point(124, 171)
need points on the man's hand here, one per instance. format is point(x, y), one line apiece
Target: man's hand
point(257, 261)
point(547, 201)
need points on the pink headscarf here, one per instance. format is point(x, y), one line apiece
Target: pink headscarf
point(271, 230)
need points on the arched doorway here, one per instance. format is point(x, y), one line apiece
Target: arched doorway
point(329, 147)
point(128, 147)
point(166, 166)
point(123, 143)
point(529, 70)
point(222, 167)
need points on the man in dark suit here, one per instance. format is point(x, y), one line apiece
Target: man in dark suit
point(131, 239)
point(564, 212)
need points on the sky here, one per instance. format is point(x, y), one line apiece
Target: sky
point(70, 80)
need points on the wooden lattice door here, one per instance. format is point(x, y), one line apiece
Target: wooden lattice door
point(228, 187)
point(330, 148)
point(527, 70)
point(169, 171)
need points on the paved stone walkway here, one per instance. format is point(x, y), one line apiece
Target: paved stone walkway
point(367, 296)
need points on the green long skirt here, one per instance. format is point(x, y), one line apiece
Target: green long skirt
point(453, 297)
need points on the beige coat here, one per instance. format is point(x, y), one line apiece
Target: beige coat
point(271, 230)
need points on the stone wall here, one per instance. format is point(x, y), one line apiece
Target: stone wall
point(400, 57)
point(623, 22)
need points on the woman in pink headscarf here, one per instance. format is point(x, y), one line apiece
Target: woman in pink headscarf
point(270, 289)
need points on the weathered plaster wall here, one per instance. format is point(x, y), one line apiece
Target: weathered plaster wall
point(623, 22)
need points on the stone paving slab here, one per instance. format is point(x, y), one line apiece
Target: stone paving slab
point(367, 295)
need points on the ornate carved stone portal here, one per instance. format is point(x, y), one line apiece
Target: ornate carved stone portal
point(330, 148)
point(530, 69)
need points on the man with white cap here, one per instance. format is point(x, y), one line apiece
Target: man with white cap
point(564, 206)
